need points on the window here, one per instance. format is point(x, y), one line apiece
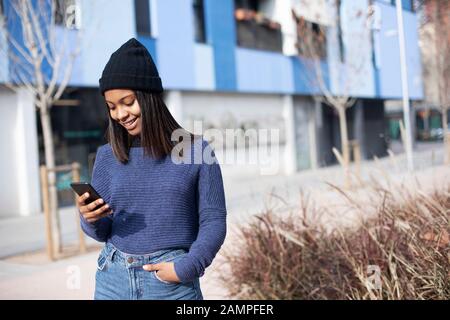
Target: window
point(406, 4)
point(142, 17)
point(67, 13)
point(247, 4)
point(312, 40)
point(2, 13)
point(254, 28)
point(199, 21)
point(59, 12)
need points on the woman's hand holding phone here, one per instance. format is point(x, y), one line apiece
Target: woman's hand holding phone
point(91, 211)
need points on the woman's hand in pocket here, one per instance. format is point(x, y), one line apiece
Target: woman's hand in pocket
point(165, 271)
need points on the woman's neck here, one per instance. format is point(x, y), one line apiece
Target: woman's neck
point(136, 141)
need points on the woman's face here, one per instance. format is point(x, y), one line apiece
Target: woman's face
point(124, 108)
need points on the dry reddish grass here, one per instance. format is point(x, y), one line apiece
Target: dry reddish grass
point(294, 256)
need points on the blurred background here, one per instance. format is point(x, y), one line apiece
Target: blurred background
point(304, 67)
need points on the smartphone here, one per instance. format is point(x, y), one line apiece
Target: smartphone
point(82, 187)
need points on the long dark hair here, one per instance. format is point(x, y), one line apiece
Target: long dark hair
point(158, 125)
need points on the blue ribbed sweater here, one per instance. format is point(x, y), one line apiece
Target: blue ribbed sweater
point(159, 204)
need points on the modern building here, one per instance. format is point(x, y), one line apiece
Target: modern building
point(223, 64)
point(434, 40)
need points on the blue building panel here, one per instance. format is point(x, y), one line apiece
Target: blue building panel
point(20, 63)
point(355, 75)
point(305, 83)
point(265, 72)
point(204, 67)
point(66, 42)
point(106, 27)
point(406, 4)
point(4, 61)
point(219, 64)
point(221, 35)
point(376, 75)
point(175, 47)
point(390, 70)
point(150, 44)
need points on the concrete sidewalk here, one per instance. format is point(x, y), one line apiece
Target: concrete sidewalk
point(52, 281)
point(72, 278)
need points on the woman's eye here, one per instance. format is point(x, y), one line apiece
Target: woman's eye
point(129, 104)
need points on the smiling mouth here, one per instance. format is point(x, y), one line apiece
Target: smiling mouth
point(129, 123)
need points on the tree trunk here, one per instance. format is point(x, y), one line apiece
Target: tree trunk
point(50, 163)
point(345, 145)
point(446, 135)
point(344, 135)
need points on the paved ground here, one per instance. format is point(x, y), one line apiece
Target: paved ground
point(31, 276)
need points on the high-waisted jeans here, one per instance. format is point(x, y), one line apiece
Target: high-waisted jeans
point(120, 276)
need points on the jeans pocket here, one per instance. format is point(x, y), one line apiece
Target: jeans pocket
point(101, 261)
point(155, 273)
point(170, 256)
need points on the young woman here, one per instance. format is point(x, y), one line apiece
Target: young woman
point(163, 220)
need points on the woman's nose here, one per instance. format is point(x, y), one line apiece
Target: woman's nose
point(122, 114)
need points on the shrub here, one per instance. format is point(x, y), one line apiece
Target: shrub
point(404, 245)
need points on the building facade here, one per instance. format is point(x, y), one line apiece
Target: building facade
point(434, 37)
point(229, 64)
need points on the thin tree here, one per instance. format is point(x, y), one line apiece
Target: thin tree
point(435, 45)
point(313, 41)
point(41, 61)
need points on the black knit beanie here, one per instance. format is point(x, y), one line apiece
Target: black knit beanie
point(131, 67)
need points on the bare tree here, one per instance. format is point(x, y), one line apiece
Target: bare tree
point(435, 45)
point(312, 44)
point(41, 60)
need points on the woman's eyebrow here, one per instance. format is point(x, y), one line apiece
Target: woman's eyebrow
point(121, 99)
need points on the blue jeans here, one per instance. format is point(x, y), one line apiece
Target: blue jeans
point(120, 277)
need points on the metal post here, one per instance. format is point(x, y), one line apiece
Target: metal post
point(405, 90)
point(47, 216)
point(76, 178)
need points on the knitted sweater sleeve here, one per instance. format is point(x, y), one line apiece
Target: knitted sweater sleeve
point(100, 229)
point(212, 222)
